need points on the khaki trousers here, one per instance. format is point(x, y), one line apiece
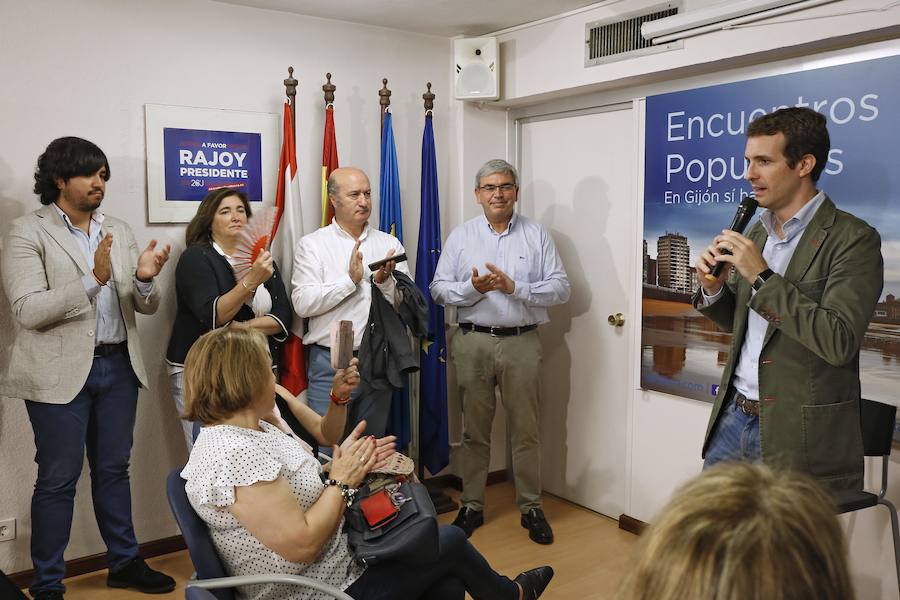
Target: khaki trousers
point(513, 363)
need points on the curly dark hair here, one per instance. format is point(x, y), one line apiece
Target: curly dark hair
point(199, 230)
point(804, 131)
point(64, 158)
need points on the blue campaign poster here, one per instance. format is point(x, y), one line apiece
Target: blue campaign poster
point(199, 161)
point(694, 178)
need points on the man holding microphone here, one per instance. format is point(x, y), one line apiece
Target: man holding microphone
point(798, 300)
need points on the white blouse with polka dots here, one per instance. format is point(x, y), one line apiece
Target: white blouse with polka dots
point(227, 456)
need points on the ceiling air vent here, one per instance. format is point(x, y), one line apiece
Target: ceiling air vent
point(609, 40)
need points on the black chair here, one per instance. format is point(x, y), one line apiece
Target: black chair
point(210, 573)
point(877, 421)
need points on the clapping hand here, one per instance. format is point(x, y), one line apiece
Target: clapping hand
point(384, 446)
point(149, 263)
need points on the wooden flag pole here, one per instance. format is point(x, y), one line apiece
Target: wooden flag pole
point(384, 100)
point(290, 90)
point(329, 89)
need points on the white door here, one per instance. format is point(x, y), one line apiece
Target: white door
point(577, 175)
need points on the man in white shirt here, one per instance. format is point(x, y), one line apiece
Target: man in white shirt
point(331, 282)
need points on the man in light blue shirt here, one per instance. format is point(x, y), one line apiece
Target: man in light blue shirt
point(74, 279)
point(501, 271)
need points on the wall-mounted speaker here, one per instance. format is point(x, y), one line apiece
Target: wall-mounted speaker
point(477, 68)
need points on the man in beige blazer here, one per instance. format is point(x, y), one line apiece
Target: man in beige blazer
point(804, 286)
point(74, 278)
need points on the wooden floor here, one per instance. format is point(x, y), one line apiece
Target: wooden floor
point(590, 554)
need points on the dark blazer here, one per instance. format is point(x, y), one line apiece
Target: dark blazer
point(818, 313)
point(202, 275)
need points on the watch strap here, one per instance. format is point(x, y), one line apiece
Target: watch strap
point(762, 278)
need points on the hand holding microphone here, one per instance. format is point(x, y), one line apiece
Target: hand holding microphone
point(730, 247)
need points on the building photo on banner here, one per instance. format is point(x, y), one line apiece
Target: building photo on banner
point(193, 151)
point(694, 181)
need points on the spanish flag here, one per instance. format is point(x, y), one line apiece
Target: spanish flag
point(329, 163)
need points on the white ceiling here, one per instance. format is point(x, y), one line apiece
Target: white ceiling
point(446, 18)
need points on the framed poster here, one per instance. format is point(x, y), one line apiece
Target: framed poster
point(192, 151)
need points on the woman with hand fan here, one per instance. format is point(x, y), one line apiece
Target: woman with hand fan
point(226, 277)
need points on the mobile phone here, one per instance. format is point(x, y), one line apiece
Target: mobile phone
point(379, 263)
point(341, 344)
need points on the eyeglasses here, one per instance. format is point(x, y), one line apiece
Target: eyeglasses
point(505, 188)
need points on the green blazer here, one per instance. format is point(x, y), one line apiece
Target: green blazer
point(818, 313)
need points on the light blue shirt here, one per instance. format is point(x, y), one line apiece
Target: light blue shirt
point(777, 253)
point(525, 252)
point(110, 326)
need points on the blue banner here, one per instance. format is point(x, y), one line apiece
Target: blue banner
point(434, 439)
point(694, 178)
point(391, 221)
point(197, 161)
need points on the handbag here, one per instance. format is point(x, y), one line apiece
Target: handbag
point(397, 522)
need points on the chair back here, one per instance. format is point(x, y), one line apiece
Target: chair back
point(877, 421)
point(195, 593)
point(196, 535)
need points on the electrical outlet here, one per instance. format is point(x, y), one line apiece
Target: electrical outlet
point(7, 530)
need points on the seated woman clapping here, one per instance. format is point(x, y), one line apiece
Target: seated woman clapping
point(260, 491)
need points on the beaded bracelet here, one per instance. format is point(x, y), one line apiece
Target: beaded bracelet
point(347, 492)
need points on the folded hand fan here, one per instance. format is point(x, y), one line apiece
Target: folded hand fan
point(255, 237)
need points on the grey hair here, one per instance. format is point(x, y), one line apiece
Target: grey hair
point(332, 186)
point(492, 167)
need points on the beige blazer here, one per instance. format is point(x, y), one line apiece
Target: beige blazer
point(54, 321)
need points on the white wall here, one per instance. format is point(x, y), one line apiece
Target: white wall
point(87, 68)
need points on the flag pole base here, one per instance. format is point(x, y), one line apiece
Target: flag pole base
point(436, 485)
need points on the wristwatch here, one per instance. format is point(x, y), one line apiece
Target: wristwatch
point(348, 493)
point(762, 278)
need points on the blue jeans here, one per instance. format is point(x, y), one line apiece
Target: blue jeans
point(735, 437)
point(365, 403)
point(459, 568)
point(101, 420)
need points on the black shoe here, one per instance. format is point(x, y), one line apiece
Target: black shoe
point(48, 596)
point(138, 575)
point(538, 528)
point(534, 581)
point(468, 520)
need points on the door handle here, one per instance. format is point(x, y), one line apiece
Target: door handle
point(616, 320)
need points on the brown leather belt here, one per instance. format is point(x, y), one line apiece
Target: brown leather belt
point(748, 406)
point(497, 331)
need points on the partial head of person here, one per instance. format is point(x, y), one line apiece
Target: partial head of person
point(496, 190)
point(742, 531)
point(350, 193)
point(220, 217)
point(786, 152)
point(72, 172)
point(228, 371)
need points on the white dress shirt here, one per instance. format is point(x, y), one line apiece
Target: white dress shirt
point(323, 291)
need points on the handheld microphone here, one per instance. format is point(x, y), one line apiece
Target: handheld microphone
point(741, 219)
